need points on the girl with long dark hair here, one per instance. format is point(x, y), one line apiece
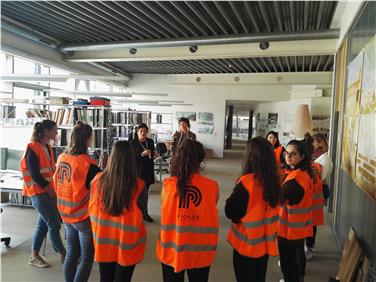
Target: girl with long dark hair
point(38, 166)
point(273, 139)
point(295, 212)
point(253, 210)
point(118, 229)
point(189, 218)
point(75, 171)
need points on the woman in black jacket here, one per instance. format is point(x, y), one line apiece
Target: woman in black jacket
point(145, 152)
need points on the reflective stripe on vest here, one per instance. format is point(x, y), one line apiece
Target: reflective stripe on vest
point(30, 183)
point(77, 214)
point(114, 224)
point(297, 210)
point(258, 223)
point(295, 224)
point(72, 204)
point(187, 247)
point(42, 170)
point(317, 196)
point(254, 241)
point(189, 229)
point(117, 243)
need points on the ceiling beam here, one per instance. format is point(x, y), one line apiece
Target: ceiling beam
point(57, 78)
point(207, 40)
point(19, 46)
point(244, 50)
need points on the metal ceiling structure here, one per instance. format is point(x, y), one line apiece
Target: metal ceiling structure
point(62, 23)
point(234, 65)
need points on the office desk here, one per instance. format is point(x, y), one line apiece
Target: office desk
point(11, 182)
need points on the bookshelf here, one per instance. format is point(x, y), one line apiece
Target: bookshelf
point(163, 124)
point(125, 121)
point(98, 117)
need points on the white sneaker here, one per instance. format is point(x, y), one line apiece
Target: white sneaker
point(38, 262)
point(281, 280)
point(309, 253)
point(279, 263)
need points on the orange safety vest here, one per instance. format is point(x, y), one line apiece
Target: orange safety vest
point(295, 221)
point(189, 226)
point(277, 153)
point(318, 196)
point(70, 186)
point(256, 233)
point(121, 238)
point(46, 169)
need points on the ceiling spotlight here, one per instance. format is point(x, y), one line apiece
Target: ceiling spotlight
point(230, 66)
point(193, 48)
point(132, 51)
point(264, 45)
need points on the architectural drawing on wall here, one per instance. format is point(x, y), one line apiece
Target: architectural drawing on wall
point(351, 121)
point(272, 119)
point(205, 123)
point(366, 154)
point(190, 115)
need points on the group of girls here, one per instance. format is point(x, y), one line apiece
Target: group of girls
point(271, 213)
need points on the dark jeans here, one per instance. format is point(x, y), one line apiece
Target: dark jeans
point(310, 241)
point(194, 275)
point(249, 269)
point(79, 243)
point(114, 272)
point(292, 258)
point(48, 221)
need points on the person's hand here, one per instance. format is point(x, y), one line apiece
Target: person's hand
point(51, 191)
point(146, 153)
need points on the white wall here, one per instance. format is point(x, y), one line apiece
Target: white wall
point(205, 98)
point(286, 112)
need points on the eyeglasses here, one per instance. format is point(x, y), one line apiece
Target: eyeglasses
point(291, 154)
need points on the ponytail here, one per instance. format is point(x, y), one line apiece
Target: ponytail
point(40, 128)
point(78, 139)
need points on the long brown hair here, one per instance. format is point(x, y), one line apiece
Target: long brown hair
point(81, 133)
point(186, 162)
point(259, 159)
point(40, 128)
point(320, 138)
point(119, 179)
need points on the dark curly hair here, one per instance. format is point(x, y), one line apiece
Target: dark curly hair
point(302, 148)
point(186, 162)
point(259, 159)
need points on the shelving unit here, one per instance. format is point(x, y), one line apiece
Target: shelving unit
point(125, 121)
point(98, 117)
point(163, 124)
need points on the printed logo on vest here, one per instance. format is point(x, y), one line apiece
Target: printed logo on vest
point(65, 172)
point(191, 194)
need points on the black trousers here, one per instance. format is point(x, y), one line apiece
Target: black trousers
point(292, 258)
point(249, 269)
point(310, 241)
point(144, 199)
point(194, 275)
point(114, 272)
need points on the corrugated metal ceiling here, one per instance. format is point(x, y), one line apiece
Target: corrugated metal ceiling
point(111, 21)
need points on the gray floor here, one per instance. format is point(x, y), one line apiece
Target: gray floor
point(20, 223)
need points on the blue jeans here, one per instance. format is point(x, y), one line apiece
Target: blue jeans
point(79, 242)
point(48, 221)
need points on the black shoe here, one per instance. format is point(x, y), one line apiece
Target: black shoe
point(148, 218)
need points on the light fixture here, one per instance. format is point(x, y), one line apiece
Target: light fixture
point(303, 121)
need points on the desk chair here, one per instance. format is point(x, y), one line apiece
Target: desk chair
point(161, 164)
